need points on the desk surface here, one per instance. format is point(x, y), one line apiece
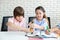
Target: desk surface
point(13, 36)
point(17, 36)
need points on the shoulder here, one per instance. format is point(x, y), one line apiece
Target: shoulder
point(11, 19)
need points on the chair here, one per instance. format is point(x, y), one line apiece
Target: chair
point(31, 18)
point(4, 21)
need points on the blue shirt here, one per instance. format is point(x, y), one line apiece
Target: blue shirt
point(40, 23)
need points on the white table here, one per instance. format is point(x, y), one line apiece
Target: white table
point(13, 36)
point(17, 36)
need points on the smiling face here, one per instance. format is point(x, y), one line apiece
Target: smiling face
point(39, 14)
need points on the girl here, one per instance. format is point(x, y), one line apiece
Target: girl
point(17, 22)
point(40, 22)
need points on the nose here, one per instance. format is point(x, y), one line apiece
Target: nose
point(39, 15)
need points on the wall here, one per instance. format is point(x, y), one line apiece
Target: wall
point(52, 8)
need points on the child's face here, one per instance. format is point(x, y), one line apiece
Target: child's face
point(39, 14)
point(19, 18)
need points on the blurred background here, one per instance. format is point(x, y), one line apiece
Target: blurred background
point(52, 8)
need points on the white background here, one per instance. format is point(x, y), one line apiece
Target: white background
point(52, 8)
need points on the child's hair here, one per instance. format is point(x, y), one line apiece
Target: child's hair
point(18, 11)
point(43, 10)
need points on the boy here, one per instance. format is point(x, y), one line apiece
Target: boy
point(17, 22)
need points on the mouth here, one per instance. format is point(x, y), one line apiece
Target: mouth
point(39, 16)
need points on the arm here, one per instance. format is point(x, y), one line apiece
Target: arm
point(10, 24)
point(35, 26)
point(40, 27)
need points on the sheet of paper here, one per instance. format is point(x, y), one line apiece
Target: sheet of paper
point(50, 35)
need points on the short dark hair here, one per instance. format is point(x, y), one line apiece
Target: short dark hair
point(40, 8)
point(18, 11)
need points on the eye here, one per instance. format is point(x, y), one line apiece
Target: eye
point(39, 13)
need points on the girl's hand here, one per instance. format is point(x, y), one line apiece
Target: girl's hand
point(39, 27)
point(36, 26)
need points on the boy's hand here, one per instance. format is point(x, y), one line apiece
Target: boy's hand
point(31, 25)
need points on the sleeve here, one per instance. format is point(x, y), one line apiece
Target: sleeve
point(10, 20)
